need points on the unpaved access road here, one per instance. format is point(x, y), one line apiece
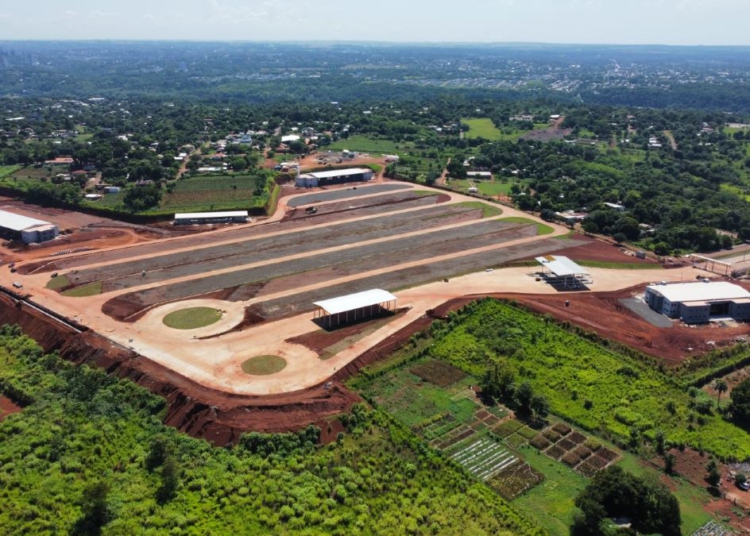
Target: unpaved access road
point(216, 362)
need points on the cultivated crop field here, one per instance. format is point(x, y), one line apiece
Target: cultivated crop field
point(215, 193)
point(584, 382)
point(435, 400)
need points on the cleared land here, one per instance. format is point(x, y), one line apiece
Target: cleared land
point(266, 276)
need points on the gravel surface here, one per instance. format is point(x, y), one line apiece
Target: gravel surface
point(335, 195)
point(201, 261)
point(154, 248)
point(409, 277)
point(339, 263)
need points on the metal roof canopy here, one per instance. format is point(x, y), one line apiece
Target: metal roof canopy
point(201, 215)
point(355, 301)
point(16, 222)
point(561, 266)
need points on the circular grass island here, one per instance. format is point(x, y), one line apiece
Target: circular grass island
point(264, 365)
point(192, 318)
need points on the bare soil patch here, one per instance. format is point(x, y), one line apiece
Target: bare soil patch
point(8, 407)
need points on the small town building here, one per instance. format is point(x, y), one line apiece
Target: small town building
point(334, 176)
point(197, 218)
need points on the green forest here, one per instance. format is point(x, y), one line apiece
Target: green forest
point(89, 455)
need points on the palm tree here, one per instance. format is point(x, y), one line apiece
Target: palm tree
point(721, 387)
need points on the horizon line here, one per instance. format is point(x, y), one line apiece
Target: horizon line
point(371, 42)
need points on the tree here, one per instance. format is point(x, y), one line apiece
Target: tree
point(720, 386)
point(620, 238)
point(170, 478)
point(590, 227)
point(94, 509)
point(539, 406)
point(615, 493)
point(739, 408)
point(714, 476)
point(140, 198)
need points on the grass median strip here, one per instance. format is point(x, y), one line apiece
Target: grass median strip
point(264, 365)
point(92, 289)
point(192, 318)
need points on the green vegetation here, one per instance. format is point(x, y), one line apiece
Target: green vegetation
point(551, 503)
point(541, 229)
point(613, 493)
point(584, 381)
point(370, 145)
point(84, 291)
point(7, 171)
point(264, 365)
point(488, 211)
point(89, 451)
point(192, 318)
point(414, 402)
point(482, 128)
point(59, 282)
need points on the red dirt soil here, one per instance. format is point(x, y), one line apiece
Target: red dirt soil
point(8, 407)
point(599, 251)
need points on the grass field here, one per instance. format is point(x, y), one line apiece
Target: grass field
point(192, 318)
point(489, 188)
point(367, 144)
point(92, 289)
point(56, 283)
point(212, 193)
point(541, 229)
point(263, 365)
point(482, 128)
point(488, 211)
point(551, 503)
point(7, 171)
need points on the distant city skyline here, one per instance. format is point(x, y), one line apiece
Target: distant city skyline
point(668, 22)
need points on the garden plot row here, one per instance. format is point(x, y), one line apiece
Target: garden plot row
point(310, 270)
point(409, 277)
point(574, 449)
point(484, 458)
point(259, 249)
point(335, 195)
point(238, 234)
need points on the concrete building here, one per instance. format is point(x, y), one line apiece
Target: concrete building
point(334, 176)
point(479, 175)
point(697, 303)
point(197, 218)
point(27, 230)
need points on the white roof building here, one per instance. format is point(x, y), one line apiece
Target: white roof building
point(351, 302)
point(16, 222)
point(695, 292)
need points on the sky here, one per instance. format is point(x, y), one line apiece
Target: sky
point(670, 22)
